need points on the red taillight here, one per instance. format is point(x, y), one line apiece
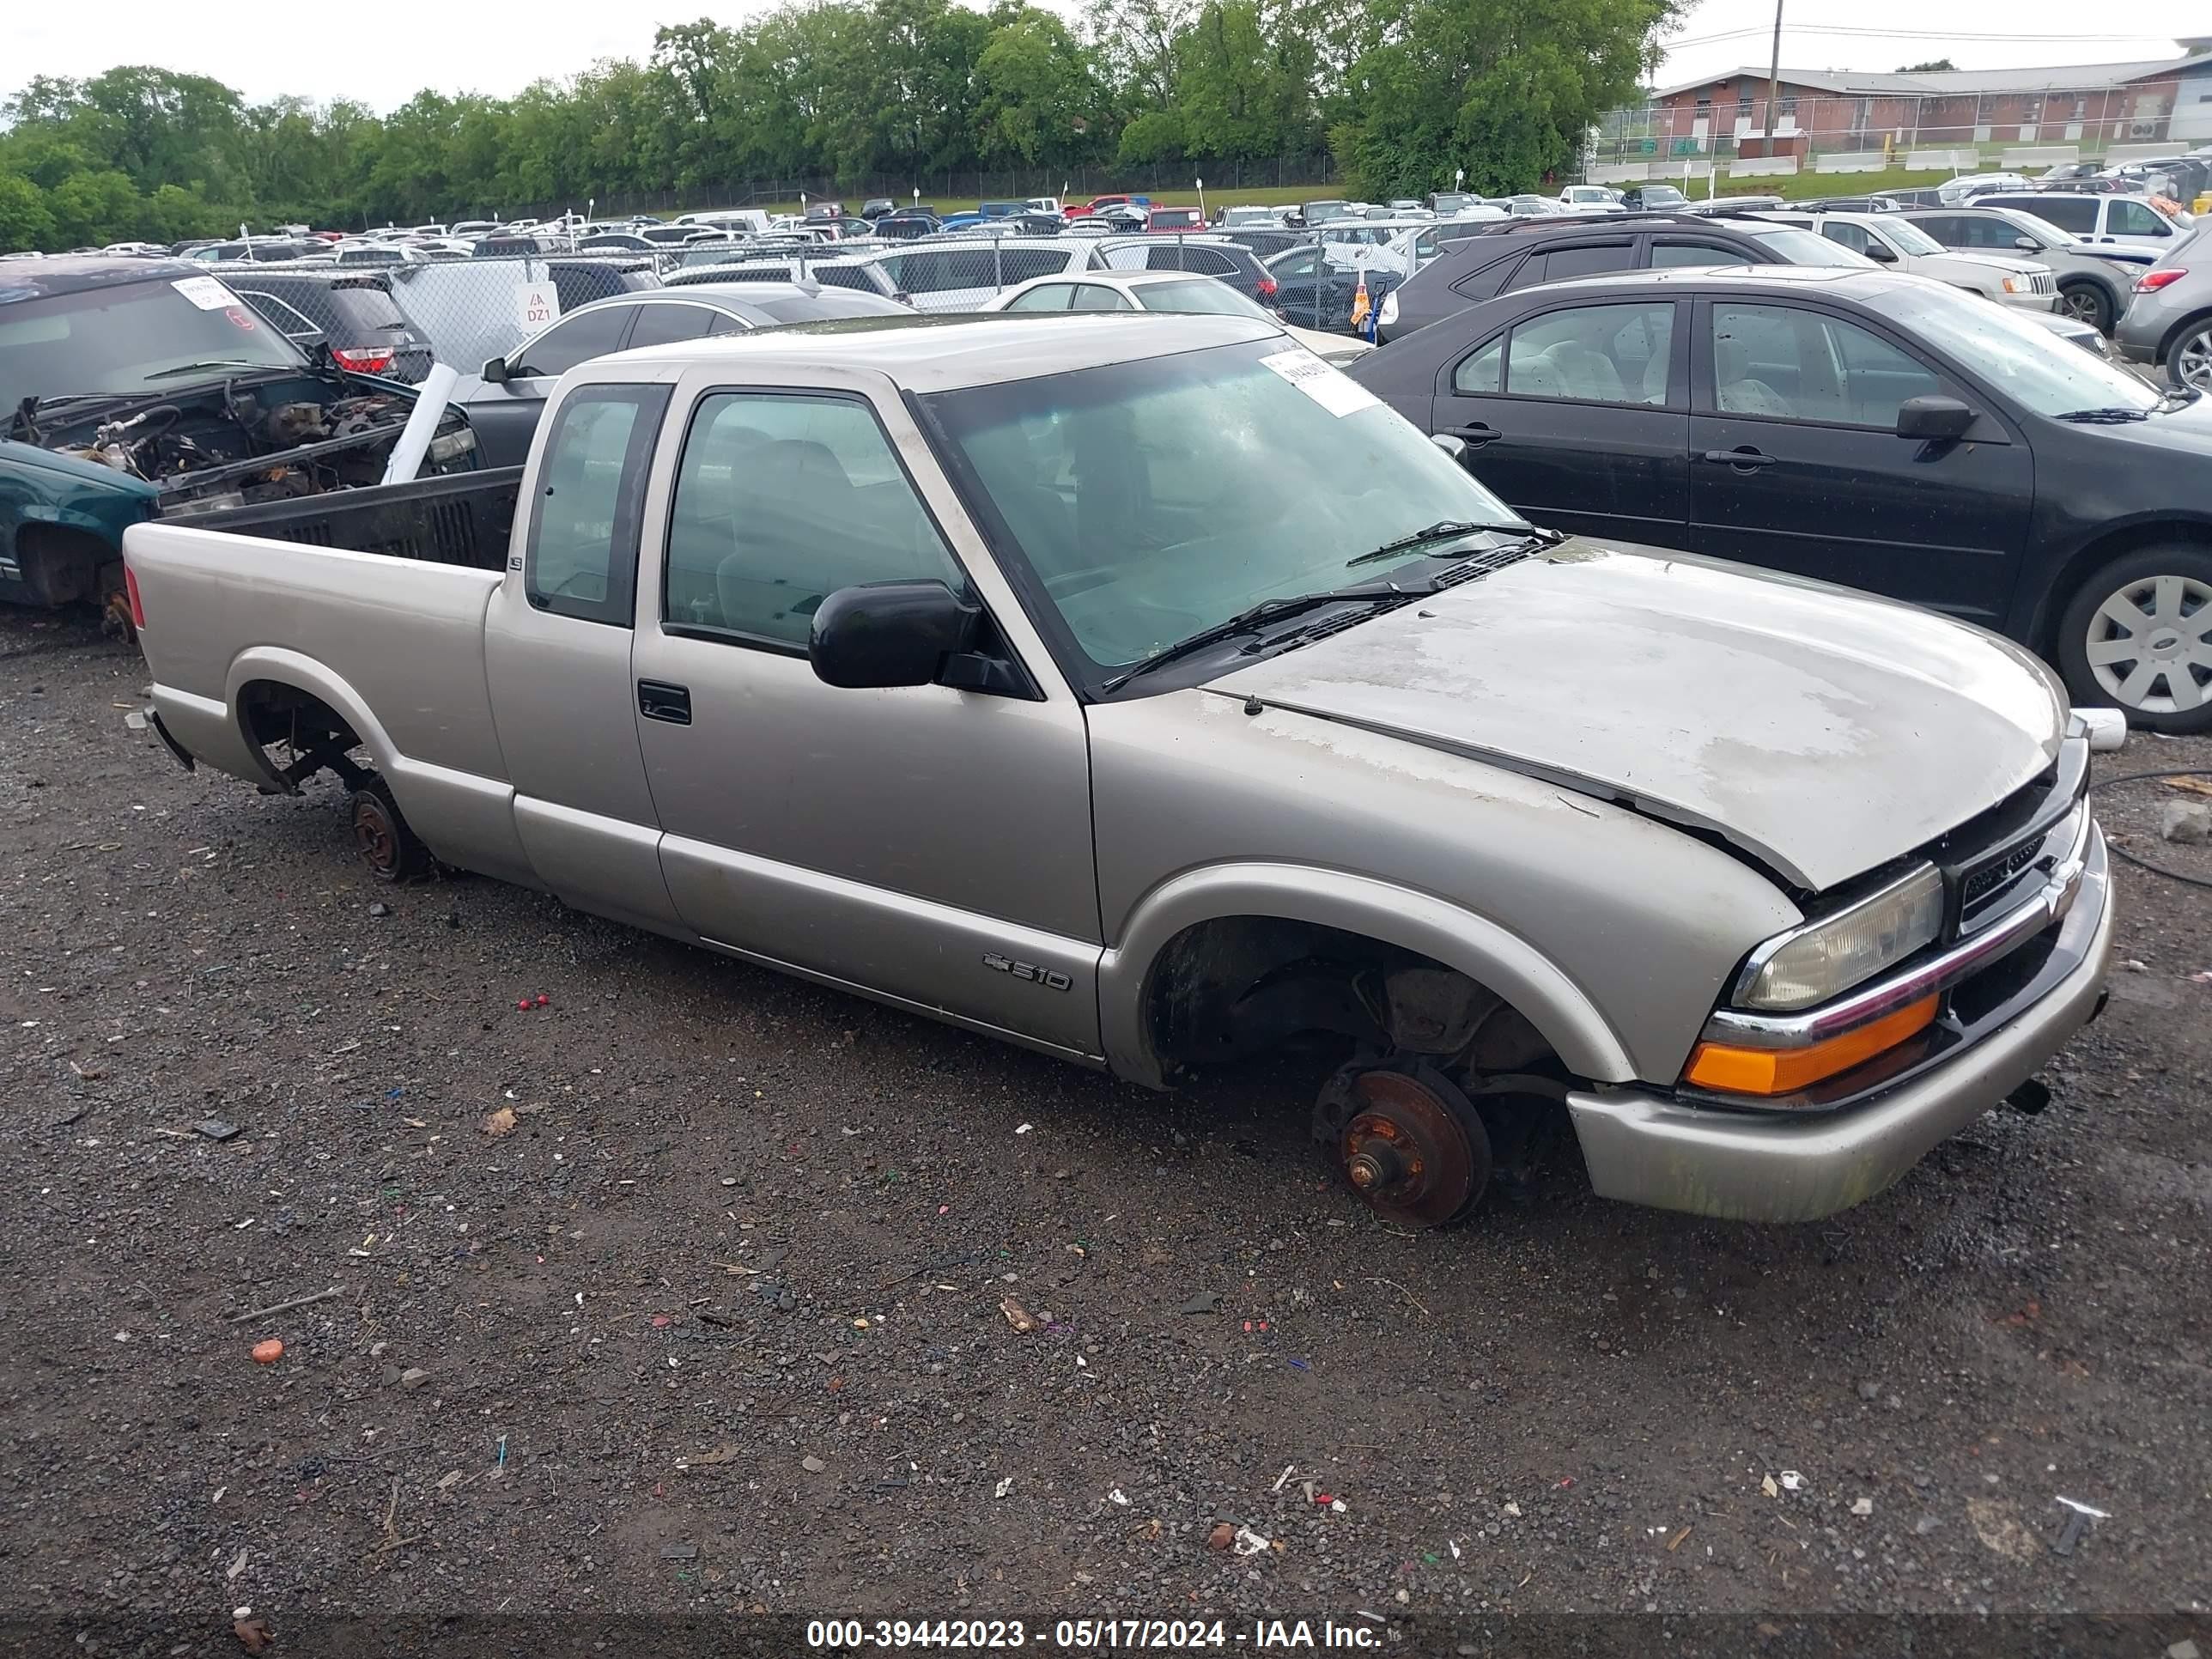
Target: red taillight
point(2151, 280)
point(362, 360)
point(131, 591)
point(1266, 287)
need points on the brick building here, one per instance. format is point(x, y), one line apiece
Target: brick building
point(2161, 101)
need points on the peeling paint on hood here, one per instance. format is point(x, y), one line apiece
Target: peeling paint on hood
point(1823, 732)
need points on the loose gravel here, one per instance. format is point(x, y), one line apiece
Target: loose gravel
point(684, 1288)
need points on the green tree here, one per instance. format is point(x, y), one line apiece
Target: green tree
point(1507, 89)
point(1040, 98)
point(1933, 66)
point(25, 222)
point(95, 207)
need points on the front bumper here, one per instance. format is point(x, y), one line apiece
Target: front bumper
point(1646, 1147)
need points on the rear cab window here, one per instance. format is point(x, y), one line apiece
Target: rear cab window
point(581, 560)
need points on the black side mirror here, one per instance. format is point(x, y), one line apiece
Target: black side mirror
point(1880, 252)
point(1937, 420)
point(494, 371)
point(885, 634)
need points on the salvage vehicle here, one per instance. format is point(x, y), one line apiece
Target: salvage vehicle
point(1884, 431)
point(134, 389)
point(989, 668)
point(350, 313)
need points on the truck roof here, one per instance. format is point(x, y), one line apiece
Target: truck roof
point(71, 273)
point(941, 353)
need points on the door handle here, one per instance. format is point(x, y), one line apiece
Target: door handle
point(1746, 459)
point(657, 700)
point(1475, 435)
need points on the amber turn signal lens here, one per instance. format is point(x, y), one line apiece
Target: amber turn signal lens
point(1728, 1070)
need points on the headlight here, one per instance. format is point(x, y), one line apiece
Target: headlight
point(2012, 285)
point(1814, 962)
point(1390, 312)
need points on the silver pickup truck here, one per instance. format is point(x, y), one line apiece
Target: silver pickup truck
point(1139, 689)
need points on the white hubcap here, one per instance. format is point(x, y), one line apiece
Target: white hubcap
point(2147, 648)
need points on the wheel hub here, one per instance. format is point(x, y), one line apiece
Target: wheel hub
point(2150, 645)
point(372, 833)
point(1412, 1148)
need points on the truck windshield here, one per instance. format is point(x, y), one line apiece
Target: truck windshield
point(129, 339)
point(1150, 500)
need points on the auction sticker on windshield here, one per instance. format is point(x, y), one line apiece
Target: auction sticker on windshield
point(205, 292)
point(1336, 392)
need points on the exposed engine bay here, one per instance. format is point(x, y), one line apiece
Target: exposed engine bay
point(243, 442)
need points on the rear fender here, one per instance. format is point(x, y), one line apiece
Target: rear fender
point(1507, 964)
point(466, 820)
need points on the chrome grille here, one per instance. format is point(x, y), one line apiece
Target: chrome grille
point(2044, 283)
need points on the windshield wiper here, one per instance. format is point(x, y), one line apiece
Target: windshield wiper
point(1253, 616)
point(194, 368)
point(1444, 529)
point(2104, 416)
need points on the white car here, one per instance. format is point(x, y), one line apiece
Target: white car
point(1892, 240)
point(1174, 291)
point(1589, 198)
point(2105, 221)
point(1954, 191)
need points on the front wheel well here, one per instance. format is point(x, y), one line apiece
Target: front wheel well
point(2042, 634)
point(1234, 986)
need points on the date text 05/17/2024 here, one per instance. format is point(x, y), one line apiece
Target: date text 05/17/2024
point(1099, 1635)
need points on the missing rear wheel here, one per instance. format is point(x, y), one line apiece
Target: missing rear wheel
point(386, 844)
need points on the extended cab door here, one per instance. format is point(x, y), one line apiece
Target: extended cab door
point(1796, 465)
point(928, 845)
point(557, 657)
point(1579, 416)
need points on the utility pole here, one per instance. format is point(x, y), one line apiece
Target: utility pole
point(1774, 84)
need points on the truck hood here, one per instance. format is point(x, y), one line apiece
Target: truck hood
point(1822, 732)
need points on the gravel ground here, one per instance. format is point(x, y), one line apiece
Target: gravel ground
point(716, 1325)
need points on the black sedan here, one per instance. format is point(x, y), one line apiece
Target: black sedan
point(1874, 429)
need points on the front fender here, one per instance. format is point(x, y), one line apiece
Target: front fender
point(1506, 963)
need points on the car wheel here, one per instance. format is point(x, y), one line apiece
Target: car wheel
point(2188, 361)
point(2088, 303)
point(2137, 636)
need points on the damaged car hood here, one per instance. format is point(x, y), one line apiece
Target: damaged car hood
point(1822, 732)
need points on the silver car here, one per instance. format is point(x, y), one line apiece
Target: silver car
point(1141, 690)
point(2168, 323)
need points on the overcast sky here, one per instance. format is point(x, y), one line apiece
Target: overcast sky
point(382, 54)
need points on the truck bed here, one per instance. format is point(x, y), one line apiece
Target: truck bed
point(463, 519)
